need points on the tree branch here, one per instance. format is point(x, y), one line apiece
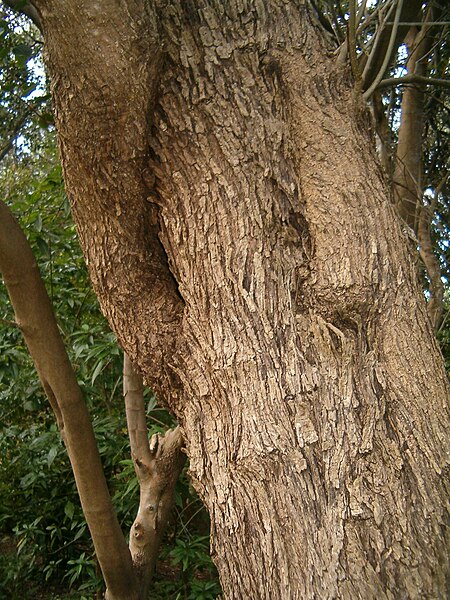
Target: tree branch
point(412, 80)
point(158, 465)
point(133, 388)
point(351, 37)
point(388, 54)
point(34, 316)
point(372, 65)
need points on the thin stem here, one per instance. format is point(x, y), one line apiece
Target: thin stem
point(35, 317)
point(413, 79)
point(387, 56)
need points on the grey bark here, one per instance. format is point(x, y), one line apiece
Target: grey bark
point(158, 463)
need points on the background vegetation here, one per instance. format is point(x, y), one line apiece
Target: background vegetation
point(45, 547)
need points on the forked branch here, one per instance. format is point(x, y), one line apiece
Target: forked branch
point(158, 464)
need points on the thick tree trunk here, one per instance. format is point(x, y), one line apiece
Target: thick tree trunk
point(282, 322)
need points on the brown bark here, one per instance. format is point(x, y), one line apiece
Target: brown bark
point(158, 464)
point(294, 346)
point(104, 61)
point(408, 174)
point(34, 315)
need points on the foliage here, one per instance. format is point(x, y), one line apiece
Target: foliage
point(25, 112)
point(41, 521)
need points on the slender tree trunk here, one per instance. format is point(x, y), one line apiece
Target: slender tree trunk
point(34, 315)
point(282, 322)
point(408, 186)
point(408, 172)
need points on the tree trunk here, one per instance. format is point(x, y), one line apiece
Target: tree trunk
point(34, 315)
point(280, 319)
point(408, 175)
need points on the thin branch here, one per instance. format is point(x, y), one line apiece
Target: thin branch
point(351, 37)
point(9, 323)
point(413, 80)
point(388, 55)
point(378, 42)
point(383, 37)
point(361, 12)
point(158, 465)
point(133, 391)
point(419, 23)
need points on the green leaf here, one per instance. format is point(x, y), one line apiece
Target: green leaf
point(69, 509)
point(97, 371)
point(23, 50)
point(38, 224)
point(51, 456)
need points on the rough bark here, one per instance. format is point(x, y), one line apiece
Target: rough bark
point(34, 315)
point(283, 322)
point(104, 61)
point(158, 464)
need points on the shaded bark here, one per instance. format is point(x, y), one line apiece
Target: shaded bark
point(158, 464)
point(408, 174)
point(34, 315)
point(282, 323)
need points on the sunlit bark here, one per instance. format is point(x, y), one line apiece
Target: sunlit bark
point(243, 246)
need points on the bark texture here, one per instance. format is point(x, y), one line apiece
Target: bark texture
point(282, 322)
